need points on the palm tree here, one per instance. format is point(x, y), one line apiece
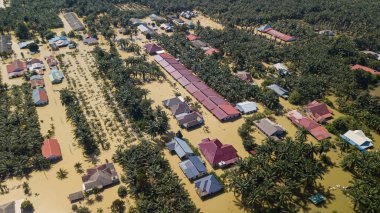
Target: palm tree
point(78, 167)
point(62, 174)
point(301, 135)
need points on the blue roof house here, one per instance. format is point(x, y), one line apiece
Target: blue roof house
point(59, 41)
point(180, 147)
point(56, 76)
point(193, 167)
point(207, 186)
point(40, 97)
point(279, 90)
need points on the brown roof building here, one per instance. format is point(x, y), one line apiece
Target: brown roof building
point(16, 68)
point(100, 177)
point(318, 111)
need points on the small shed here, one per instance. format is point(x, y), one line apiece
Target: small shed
point(317, 198)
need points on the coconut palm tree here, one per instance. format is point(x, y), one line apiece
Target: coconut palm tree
point(62, 174)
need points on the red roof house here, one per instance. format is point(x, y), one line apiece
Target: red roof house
point(318, 131)
point(192, 37)
point(211, 51)
point(166, 56)
point(51, 61)
point(219, 114)
point(218, 154)
point(152, 48)
point(366, 69)
point(51, 150)
point(318, 111)
point(230, 111)
point(16, 68)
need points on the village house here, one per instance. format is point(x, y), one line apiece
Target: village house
point(16, 69)
point(180, 147)
point(246, 107)
point(52, 62)
point(153, 49)
point(58, 42)
point(358, 139)
point(193, 167)
point(11, 207)
point(270, 129)
point(144, 29)
point(208, 186)
point(192, 37)
point(73, 21)
point(40, 97)
point(189, 120)
point(51, 150)
point(35, 65)
point(76, 197)
point(6, 44)
point(100, 177)
point(37, 81)
point(270, 31)
point(279, 90)
point(167, 27)
point(56, 76)
point(188, 14)
point(155, 17)
point(245, 76)
point(25, 44)
point(90, 41)
point(136, 22)
point(281, 69)
point(318, 111)
point(217, 154)
point(316, 130)
point(212, 51)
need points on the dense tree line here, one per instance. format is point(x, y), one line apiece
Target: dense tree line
point(215, 74)
point(365, 186)
point(130, 97)
point(82, 130)
point(275, 180)
point(359, 19)
point(151, 181)
point(21, 139)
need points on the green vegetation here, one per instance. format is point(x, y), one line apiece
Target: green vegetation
point(130, 97)
point(27, 206)
point(21, 140)
point(278, 178)
point(62, 174)
point(118, 206)
point(122, 191)
point(151, 181)
point(82, 130)
point(364, 188)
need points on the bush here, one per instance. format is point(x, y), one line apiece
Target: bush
point(122, 192)
point(27, 206)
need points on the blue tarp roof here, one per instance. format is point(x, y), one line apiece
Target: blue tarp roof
point(193, 167)
point(180, 147)
point(208, 185)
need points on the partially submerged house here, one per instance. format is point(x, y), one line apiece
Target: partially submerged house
point(188, 14)
point(246, 107)
point(270, 129)
point(212, 51)
point(173, 101)
point(167, 27)
point(153, 49)
point(11, 207)
point(190, 120)
point(35, 65)
point(56, 76)
point(90, 41)
point(279, 90)
point(245, 76)
point(217, 154)
point(144, 29)
point(366, 69)
point(136, 22)
point(358, 139)
point(40, 97)
point(51, 150)
point(16, 69)
point(76, 197)
point(281, 69)
point(270, 31)
point(74, 21)
point(193, 167)
point(37, 81)
point(59, 41)
point(318, 111)
point(315, 129)
point(200, 44)
point(51, 61)
point(25, 44)
point(155, 17)
point(100, 177)
point(208, 186)
point(6, 44)
point(180, 147)
point(192, 37)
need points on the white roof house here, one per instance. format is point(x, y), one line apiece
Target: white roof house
point(358, 139)
point(246, 107)
point(281, 68)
